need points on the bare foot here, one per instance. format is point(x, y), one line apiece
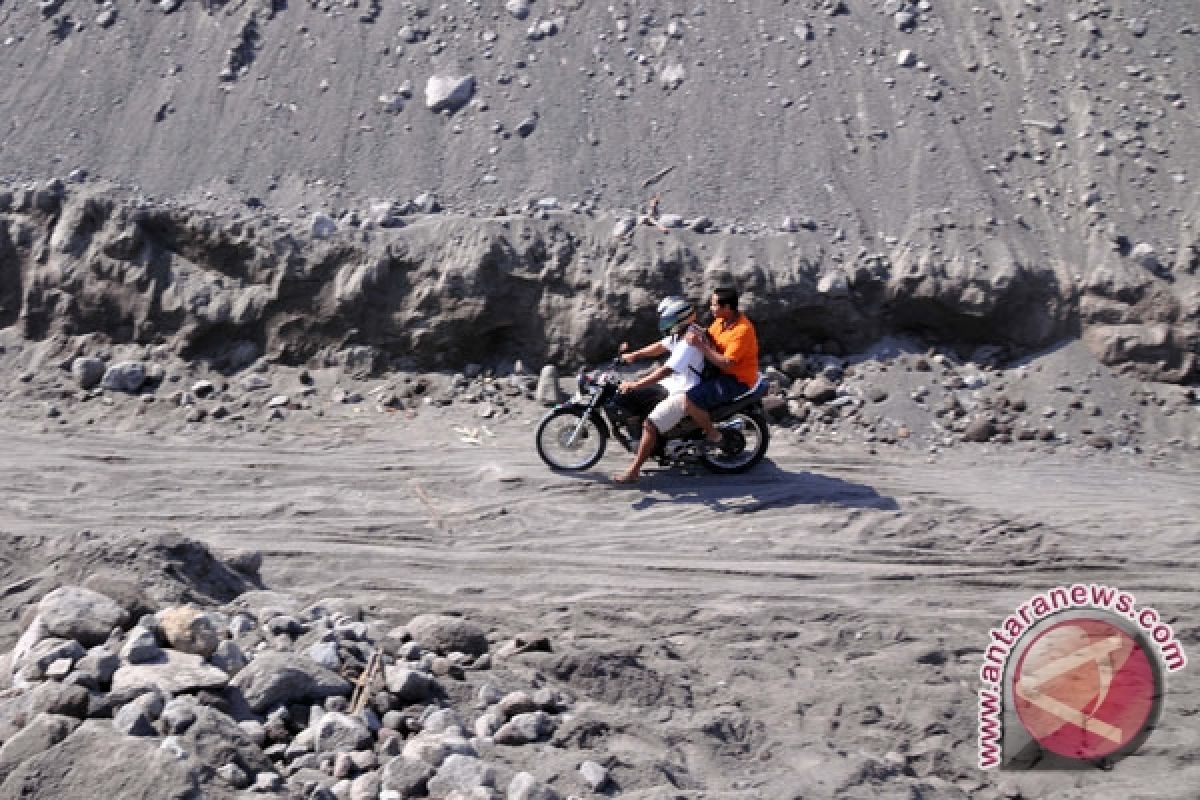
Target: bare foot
point(626, 478)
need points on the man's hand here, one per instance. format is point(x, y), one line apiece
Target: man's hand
point(626, 386)
point(628, 358)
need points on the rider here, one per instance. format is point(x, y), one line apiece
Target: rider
point(733, 348)
point(668, 382)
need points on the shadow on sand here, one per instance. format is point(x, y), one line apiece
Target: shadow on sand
point(764, 487)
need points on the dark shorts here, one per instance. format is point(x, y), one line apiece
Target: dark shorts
point(716, 392)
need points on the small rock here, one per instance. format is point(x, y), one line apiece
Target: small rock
point(127, 376)
point(1145, 255)
point(98, 665)
point(137, 717)
point(979, 429)
point(525, 787)
point(247, 562)
point(448, 92)
point(267, 782)
point(87, 371)
point(325, 654)
point(594, 775)
point(229, 658)
point(189, 631)
point(487, 724)
point(527, 126)
point(140, 647)
point(322, 226)
point(819, 390)
point(253, 383)
point(234, 775)
point(548, 392)
point(203, 389)
point(462, 774)
point(517, 8)
point(441, 721)
point(624, 227)
point(178, 716)
point(409, 685)
point(525, 728)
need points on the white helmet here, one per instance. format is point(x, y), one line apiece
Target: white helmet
point(672, 311)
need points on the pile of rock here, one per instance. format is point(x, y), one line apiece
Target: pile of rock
point(935, 400)
point(261, 698)
point(273, 393)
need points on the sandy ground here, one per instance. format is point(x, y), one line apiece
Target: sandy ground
point(813, 628)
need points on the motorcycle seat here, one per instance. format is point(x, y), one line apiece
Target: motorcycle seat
point(751, 395)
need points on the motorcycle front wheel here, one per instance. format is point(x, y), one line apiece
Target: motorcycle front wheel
point(746, 437)
point(568, 439)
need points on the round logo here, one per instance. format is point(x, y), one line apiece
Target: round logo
point(1086, 689)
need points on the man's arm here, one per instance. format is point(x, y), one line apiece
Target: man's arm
point(697, 338)
point(649, 379)
point(652, 350)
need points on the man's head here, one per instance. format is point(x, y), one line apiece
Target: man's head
point(724, 302)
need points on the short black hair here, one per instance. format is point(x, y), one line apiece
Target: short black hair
point(727, 296)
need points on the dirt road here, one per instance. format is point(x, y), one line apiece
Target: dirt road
point(812, 628)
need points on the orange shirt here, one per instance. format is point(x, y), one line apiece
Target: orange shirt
point(740, 343)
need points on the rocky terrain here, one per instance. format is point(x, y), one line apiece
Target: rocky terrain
point(285, 287)
point(170, 685)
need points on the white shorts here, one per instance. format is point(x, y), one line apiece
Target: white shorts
point(669, 412)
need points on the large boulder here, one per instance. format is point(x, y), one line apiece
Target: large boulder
point(462, 774)
point(73, 612)
point(82, 765)
point(336, 732)
point(36, 662)
point(172, 672)
point(45, 731)
point(275, 678)
point(446, 634)
point(408, 776)
point(214, 740)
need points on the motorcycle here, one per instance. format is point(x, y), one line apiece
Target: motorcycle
point(573, 436)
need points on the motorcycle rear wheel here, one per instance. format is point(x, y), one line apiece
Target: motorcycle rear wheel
point(749, 436)
point(569, 440)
